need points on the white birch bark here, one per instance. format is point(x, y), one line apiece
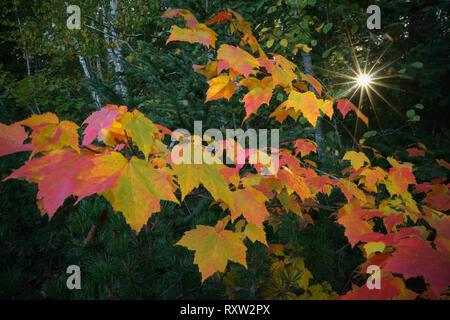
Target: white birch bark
point(88, 75)
point(113, 48)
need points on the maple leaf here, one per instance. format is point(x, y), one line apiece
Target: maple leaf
point(354, 219)
point(138, 188)
point(306, 103)
point(250, 203)
point(438, 198)
point(414, 152)
point(213, 247)
point(344, 106)
point(357, 159)
point(12, 138)
point(50, 134)
point(281, 69)
point(398, 180)
point(237, 59)
point(201, 34)
point(98, 121)
point(255, 233)
point(350, 190)
point(46, 171)
point(220, 87)
point(209, 70)
point(304, 147)
point(294, 182)
point(373, 176)
point(190, 176)
point(186, 14)
point(220, 18)
point(415, 257)
point(143, 132)
point(260, 92)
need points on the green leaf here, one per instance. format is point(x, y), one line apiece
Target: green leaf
point(314, 43)
point(369, 134)
point(417, 65)
point(374, 37)
point(327, 53)
point(410, 113)
point(327, 27)
point(419, 106)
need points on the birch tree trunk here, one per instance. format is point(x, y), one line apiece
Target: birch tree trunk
point(113, 48)
point(88, 76)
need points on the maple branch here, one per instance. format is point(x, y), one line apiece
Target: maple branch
point(92, 150)
point(128, 142)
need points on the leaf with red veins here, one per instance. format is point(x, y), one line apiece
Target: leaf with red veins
point(237, 59)
point(391, 287)
point(415, 257)
point(414, 152)
point(12, 138)
point(102, 119)
point(251, 203)
point(186, 14)
point(260, 92)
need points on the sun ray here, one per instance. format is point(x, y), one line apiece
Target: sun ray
point(385, 100)
point(385, 85)
point(372, 103)
point(380, 57)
